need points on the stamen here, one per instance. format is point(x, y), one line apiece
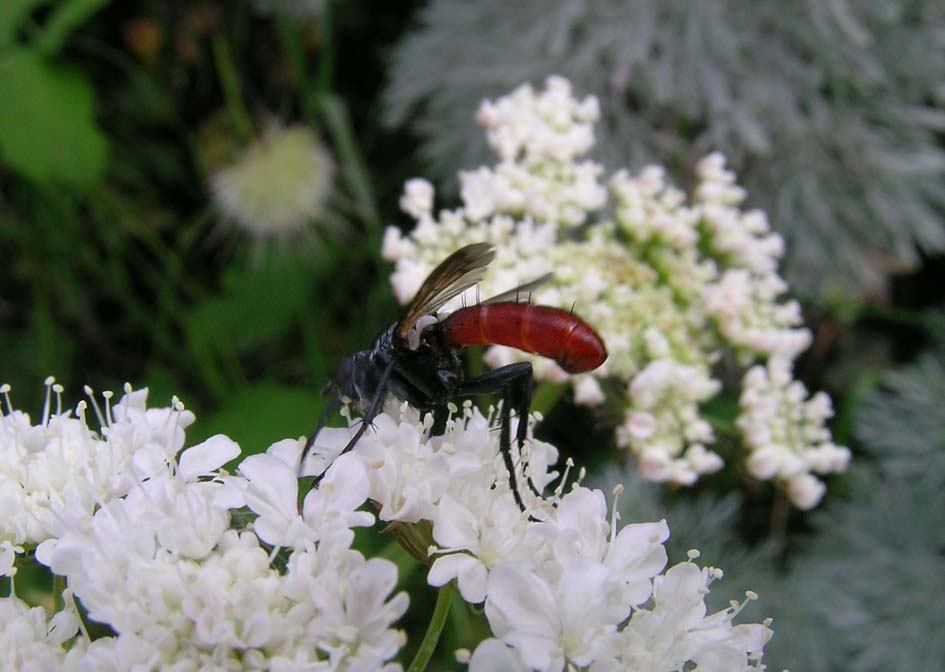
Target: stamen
point(48, 383)
point(568, 464)
point(80, 410)
point(427, 423)
point(57, 388)
point(75, 608)
point(107, 395)
point(5, 391)
point(98, 411)
point(614, 516)
point(178, 406)
point(737, 607)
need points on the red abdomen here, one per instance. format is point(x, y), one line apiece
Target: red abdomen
point(543, 330)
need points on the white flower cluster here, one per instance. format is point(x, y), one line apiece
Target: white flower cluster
point(563, 586)
point(664, 425)
point(785, 430)
point(163, 565)
point(743, 301)
point(156, 557)
point(531, 132)
point(53, 475)
point(667, 281)
point(30, 641)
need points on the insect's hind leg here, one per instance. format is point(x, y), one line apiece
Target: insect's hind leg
point(508, 380)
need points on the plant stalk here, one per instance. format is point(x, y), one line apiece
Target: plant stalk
point(430, 640)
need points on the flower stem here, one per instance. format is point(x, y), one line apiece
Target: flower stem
point(779, 520)
point(430, 640)
point(546, 396)
point(59, 585)
point(338, 124)
point(229, 82)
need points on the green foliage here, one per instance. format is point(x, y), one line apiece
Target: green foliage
point(261, 414)
point(47, 111)
point(831, 112)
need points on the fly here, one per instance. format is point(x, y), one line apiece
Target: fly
point(417, 358)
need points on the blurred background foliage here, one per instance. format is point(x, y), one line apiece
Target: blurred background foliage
point(120, 260)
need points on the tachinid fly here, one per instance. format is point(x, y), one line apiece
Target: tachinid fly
point(416, 359)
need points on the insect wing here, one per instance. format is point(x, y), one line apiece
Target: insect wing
point(462, 269)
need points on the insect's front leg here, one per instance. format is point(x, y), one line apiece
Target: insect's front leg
point(374, 407)
point(330, 407)
point(511, 380)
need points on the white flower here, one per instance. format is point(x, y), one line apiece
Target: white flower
point(407, 475)
point(676, 632)
point(548, 125)
point(662, 426)
point(417, 200)
point(587, 391)
point(805, 490)
point(272, 493)
point(561, 583)
point(492, 655)
point(8, 553)
point(154, 557)
point(28, 641)
point(53, 475)
point(786, 433)
point(475, 537)
point(744, 308)
point(550, 622)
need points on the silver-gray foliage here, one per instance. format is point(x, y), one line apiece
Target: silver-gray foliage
point(862, 590)
point(882, 550)
point(903, 421)
point(829, 109)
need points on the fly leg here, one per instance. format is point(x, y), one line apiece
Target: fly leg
point(372, 410)
point(510, 379)
point(333, 404)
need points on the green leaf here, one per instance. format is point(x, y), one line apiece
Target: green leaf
point(65, 17)
point(47, 129)
point(12, 14)
point(256, 306)
point(257, 416)
point(162, 385)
